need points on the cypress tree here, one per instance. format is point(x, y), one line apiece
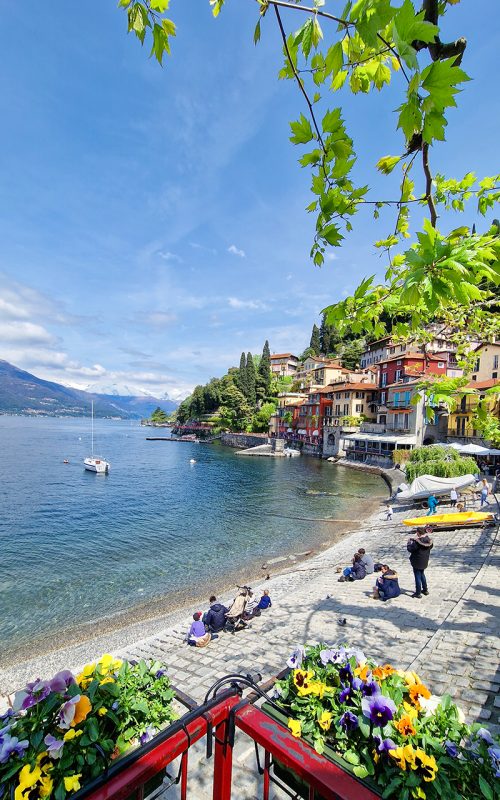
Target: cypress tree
point(250, 375)
point(324, 336)
point(315, 343)
point(265, 367)
point(241, 381)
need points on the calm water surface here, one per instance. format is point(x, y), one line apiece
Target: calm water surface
point(76, 546)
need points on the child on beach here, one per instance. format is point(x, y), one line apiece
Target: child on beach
point(265, 600)
point(389, 513)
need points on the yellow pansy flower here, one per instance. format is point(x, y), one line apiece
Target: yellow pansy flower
point(102, 711)
point(416, 691)
point(71, 734)
point(46, 785)
point(325, 720)
point(27, 779)
point(86, 675)
point(303, 680)
point(362, 672)
point(72, 782)
point(383, 672)
point(403, 756)
point(425, 765)
point(418, 793)
point(410, 710)
point(108, 679)
point(318, 688)
point(295, 727)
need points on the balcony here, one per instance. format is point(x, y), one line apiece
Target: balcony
point(383, 427)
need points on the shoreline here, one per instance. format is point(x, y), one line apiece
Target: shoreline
point(77, 645)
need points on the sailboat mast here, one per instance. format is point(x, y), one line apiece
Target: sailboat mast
point(92, 427)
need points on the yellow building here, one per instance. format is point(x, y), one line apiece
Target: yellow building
point(461, 421)
point(487, 358)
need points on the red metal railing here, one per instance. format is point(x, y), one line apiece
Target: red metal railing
point(218, 720)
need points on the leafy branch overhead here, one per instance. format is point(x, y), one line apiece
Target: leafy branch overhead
point(447, 277)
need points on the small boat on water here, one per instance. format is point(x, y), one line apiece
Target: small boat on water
point(290, 452)
point(456, 520)
point(95, 463)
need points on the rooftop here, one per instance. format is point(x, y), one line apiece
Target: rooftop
point(283, 355)
point(488, 384)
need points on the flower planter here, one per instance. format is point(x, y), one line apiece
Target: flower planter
point(291, 779)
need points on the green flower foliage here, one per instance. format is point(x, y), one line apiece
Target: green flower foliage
point(442, 462)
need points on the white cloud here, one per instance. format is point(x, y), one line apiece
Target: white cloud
point(156, 319)
point(168, 256)
point(235, 251)
point(23, 333)
point(289, 276)
point(331, 256)
point(197, 246)
point(253, 305)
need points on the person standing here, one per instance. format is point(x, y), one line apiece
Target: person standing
point(432, 502)
point(453, 497)
point(420, 550)
point(485, 490)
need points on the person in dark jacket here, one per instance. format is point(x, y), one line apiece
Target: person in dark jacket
point(355, 573)
point(387, 585)
point(420, 549)
point(215, 618)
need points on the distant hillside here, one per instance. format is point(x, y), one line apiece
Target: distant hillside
point(23, 393)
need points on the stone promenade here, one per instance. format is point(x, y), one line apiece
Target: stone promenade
point(451, 638)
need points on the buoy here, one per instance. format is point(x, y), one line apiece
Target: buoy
point(65, 461)
point(192, 461)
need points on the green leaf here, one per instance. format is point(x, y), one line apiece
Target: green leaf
point(360, 771)
point(334, 59)
point(307, 31)
point(216, 7)
point(159, 5)
point(302, 131)
point(332, 235)
point(256, 33)
point(332, 121)
point(351, 757)
point(92, 729)
point(440, 79)
point(387, 163)
point(485, 788)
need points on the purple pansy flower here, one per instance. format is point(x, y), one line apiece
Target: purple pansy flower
point(54, 746)
point(346, 694)
point(370, 688)
point(61, 681)
point(379, 709)
point(357, 684)
point(6, 715)
point(36, 692)
point(494, 754)
point(345, 673)
point(67, 712)
point(384, 745)
point(485, 735)
point(10, 745)
point(327, 657)
point(349, 721)
point(354, 652)
point(115, 705)
point(147, 735)
point(451, 749)
point(161, 673)
point(297, 657)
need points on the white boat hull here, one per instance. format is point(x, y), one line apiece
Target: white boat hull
point(98, 465)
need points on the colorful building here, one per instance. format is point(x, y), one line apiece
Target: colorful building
point(487, 359)
point(409, 365)
point(284, 364)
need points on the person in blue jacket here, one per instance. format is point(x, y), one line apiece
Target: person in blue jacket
point(265, 600)
point(432, 502)
point(387, 585)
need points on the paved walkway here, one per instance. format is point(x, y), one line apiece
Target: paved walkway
point(450, 637)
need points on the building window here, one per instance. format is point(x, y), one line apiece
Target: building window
point(441, 364)
point(360, 395)
point(382, 398)
point(494, 374)
point(346, 395)
point(398, 362)
point(477, 365)
point(359, 408)
point(402, 348)
point(346, 409)
point(495, 362)
point(384, 379)
point(392, 350)
point(337, 410)
point(398, 375)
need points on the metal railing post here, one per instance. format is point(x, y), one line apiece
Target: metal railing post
point(223, 762)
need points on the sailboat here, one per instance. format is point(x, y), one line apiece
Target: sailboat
point(95, 463)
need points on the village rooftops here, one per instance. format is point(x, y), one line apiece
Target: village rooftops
point(283, 355)
point(483, 384)
point(343, 387)
point(403, 356)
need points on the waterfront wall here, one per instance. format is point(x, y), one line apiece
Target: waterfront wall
point(244, 439)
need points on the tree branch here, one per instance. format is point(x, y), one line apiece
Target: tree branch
point(316, 11)
point(428, 184)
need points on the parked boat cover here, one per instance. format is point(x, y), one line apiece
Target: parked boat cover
point(426, 485)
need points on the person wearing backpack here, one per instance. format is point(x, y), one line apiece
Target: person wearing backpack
point(420, 550)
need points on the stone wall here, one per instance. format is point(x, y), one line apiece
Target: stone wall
point(243, 439)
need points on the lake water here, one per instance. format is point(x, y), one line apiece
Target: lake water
point(76, 546)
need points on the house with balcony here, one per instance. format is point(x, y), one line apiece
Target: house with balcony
point(327, 373)
point(350, 401)
point(280, 423)
point(461, 421)
point(376, 352)
point(284, 364)
point(486, 361)
point(403, 366)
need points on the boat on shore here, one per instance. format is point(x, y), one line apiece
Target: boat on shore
point(462, 519)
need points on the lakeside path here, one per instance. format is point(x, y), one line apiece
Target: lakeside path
point(450, 637)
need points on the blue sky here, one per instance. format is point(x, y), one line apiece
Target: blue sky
point(153, 221)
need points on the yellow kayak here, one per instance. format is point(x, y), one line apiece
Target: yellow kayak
point(458, 519)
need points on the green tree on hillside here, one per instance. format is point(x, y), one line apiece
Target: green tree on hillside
point(260, 421)
point(250, 380)
point(315, 344)
point(159, 417)
point(235, 413)
point(241, 380)
point(265, 368)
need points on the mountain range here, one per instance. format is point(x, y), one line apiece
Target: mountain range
point(24, 393)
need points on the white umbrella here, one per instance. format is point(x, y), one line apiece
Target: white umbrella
point(475, 450)
point(455, 445)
